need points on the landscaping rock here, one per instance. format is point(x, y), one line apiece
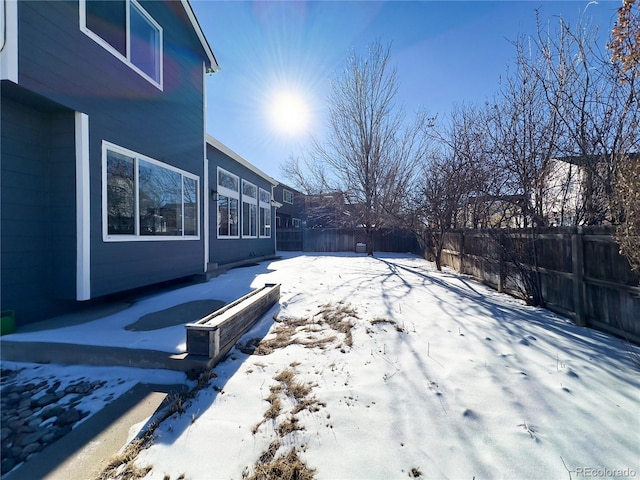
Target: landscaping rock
point(34, 415)
point(68, 417)
point(52, 411)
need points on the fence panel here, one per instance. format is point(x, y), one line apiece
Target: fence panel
point(343, 240)
point(289, 239)
point(580, 271)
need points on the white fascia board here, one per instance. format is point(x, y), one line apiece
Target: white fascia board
point(213, 63)
point(9, 44)
point(238, 158)
point(205, 180)
point(83, 202)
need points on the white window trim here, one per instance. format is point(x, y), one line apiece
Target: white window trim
point(228, 192)
point(126, 59)
point(106, 237)
point(284, 191)
point(251, 201)
point(9, 42)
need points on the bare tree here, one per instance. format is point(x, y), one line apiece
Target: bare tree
point(369, 148)
point(306, 176)
point(598, 115)
point(524, 131)
point(453, 176)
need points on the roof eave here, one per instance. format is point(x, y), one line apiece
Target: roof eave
point(213, 66)
point(239, 158)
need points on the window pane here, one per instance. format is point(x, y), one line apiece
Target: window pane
point(254, 220)
point(223, 216)
point(145, 43)
point(249, 190)
point(120, 194)
point(160, 200)
point(265, 197)
point(265, 222)
point(108, 20)
point(227, 181)
point(249, 219)
point(190, 198)
point(245, 219)
point(233, 217)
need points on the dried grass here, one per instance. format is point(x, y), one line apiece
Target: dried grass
point(305, 330)
point(294, 388)
point(274, 410)
point(287, 467)
point(270, 453)
point(288, 426)
point(122, 466)
point(393, 323)
point(311, 404)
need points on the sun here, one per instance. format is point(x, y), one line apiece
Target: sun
point(289, 112)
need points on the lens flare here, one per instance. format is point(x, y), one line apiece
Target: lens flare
point(289, 112)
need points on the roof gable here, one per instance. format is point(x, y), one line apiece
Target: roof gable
point(213, 63)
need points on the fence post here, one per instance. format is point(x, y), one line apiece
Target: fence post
point(501, 264)
point(577, 257)
point(461, 252)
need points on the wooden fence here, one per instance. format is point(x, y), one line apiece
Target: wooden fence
point(343, 240)
point(581, 274)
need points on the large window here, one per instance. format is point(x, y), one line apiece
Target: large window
point(265, 213)
point(125, 29)
point(249, 210)
point(228, 199)
point(147, 199)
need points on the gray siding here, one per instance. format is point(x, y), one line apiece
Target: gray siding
point(38, 209)
point(227, 250)
point(61, 64)
point(127, 110)
point(288, 211)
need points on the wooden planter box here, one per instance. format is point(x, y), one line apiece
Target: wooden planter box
point(214, 335)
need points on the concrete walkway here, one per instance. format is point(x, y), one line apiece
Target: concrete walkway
point(74, 354)
point(85, 354)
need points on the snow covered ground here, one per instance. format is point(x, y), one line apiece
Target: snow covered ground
point(385, 368)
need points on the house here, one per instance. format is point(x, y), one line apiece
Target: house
point(103, 166)
point(331, 210)
point(240, 208)
point(291, 213)
point(563, 196)
point(321, 210)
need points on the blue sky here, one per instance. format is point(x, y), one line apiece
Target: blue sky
point(446, 53)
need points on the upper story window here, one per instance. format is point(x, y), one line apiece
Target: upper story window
point(126, 30)
point(287, 196)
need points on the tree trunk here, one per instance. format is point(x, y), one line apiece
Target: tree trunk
point(369, 233)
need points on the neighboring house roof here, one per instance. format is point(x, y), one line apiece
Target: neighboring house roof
point(213, 63)
point(238, 158)
point(581, 160)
